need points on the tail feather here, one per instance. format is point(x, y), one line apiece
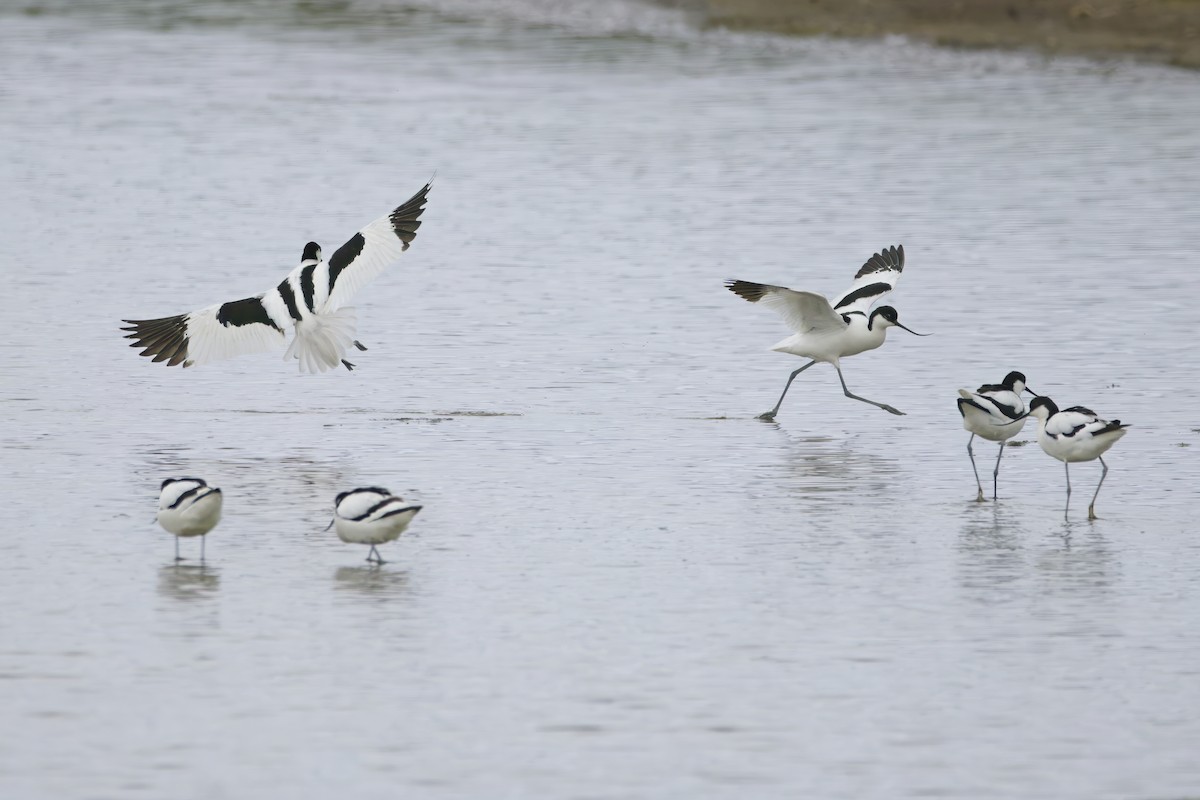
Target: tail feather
point(321, 341)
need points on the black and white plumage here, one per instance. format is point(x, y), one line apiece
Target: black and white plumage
point(188, 507)
point(371, 515)
point(995, 411)
point(827, 332)
point(310, 300)
point(1075, 434)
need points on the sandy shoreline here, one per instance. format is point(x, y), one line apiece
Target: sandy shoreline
point(1158, 30)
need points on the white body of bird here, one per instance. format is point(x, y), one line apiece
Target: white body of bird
point(1073, 435)
point(188, 507)
point(995, 411)
point(832, 342)
point(371, 516)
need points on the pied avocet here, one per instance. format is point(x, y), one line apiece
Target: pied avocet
point(995, 411)
point(829, 332)
point(371, 515)
point(311, 300)
point(188, 507)
point(1075, 434)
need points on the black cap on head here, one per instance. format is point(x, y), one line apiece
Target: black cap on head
point(1041, 401)
point(312, 252)
point(1010, 380)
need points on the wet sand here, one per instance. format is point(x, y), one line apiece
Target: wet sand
point(1160, 30)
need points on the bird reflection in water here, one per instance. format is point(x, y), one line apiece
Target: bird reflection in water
point(180, 582)
point(371, 581)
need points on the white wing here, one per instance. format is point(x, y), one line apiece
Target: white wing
point(804, 312)
point(874, 279)
point(210, 334)
point(1004, 402)
point(1080, 422)
point(359, 503)
point(176, 490)
point(372, 249)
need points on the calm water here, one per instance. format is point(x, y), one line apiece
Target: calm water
point(622, 585)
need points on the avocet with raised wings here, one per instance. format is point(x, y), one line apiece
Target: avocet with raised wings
point(310, 300)
point(188, 507)
point(828, 332)
point(995, 411)
point(1075, 434)
point(373, 516)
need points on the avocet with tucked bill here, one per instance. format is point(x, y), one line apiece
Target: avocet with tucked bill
point(996, 412)
point(1075, 434)
point(373, 516)
point(188, 507)
point(828, 332)
point(310, 301)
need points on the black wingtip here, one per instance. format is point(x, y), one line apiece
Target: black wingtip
point(406, 217)
point(889, 259)
point(746, 290)
point(163, 339)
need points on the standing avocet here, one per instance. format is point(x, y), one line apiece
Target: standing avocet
point(1075, 434)
point(188, 507)
point(371, 515)
point(995, 411)
point(826, 332)
point(311, 300)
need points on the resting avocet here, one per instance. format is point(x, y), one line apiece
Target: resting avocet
point(995, 411)
point(826, 332)
point(188, 507)
point(1075, 434)
point(311, 300)
point(371, 515)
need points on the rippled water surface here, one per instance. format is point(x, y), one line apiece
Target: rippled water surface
point(622, 584)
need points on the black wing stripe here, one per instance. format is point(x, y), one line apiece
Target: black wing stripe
point(289, 298)
point(400, 511)
point(189, 493)
point(306, 285)
point(1081, 410)
point(1007, 410)
point(870, 290)
point(962, 401)
point(376, 507)
point(344, 256)
point(247, 311)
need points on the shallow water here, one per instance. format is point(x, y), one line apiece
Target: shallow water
point(622, 584)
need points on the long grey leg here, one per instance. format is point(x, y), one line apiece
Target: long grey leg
point(971, 453)
point(1092, 507)
point(177, 558)
point(846, 389)
point(770, 415)
point(203, 539)
point(1067, 467)
point(371, 554)
point(996, 472)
